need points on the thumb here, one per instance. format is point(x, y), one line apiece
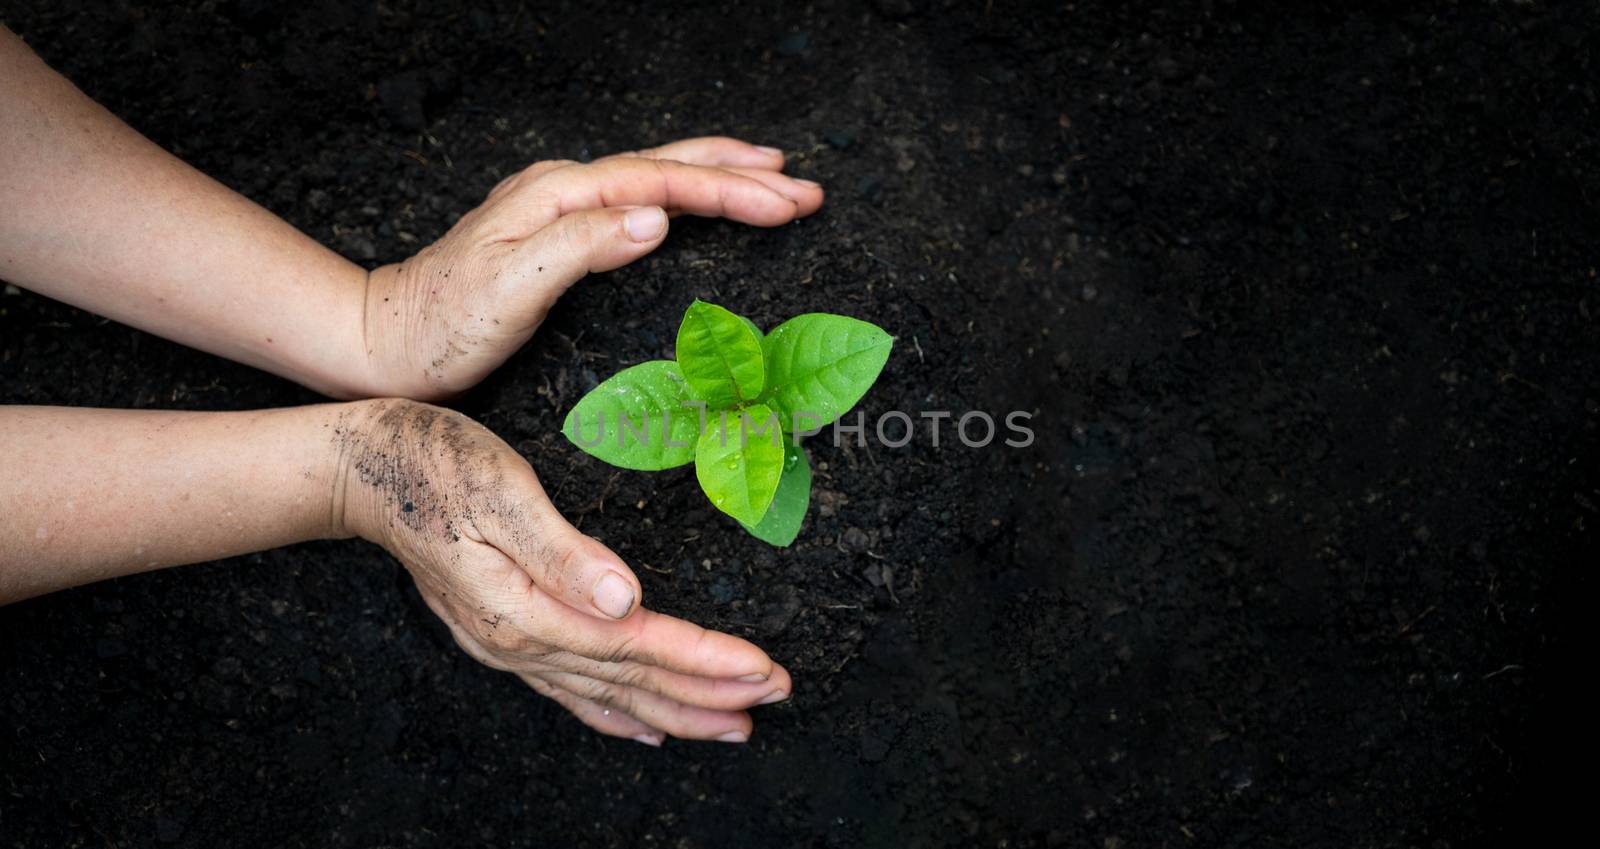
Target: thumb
point(560, 559)
point(585, 242)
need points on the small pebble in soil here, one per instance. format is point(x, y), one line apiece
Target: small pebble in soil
point(870, 187)
point(855, 539)
point(794, 43)
point(780, 607)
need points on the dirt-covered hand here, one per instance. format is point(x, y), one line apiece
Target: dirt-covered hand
point(437, 323)
point(524, 591)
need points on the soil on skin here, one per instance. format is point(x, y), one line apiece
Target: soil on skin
point(1301, 302)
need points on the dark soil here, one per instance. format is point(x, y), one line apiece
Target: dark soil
point(1302, 301)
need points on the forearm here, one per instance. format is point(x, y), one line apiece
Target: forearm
point(94, 494)
point(94, 214)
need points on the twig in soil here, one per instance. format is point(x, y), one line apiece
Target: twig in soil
point(871, 458)
point(1507, 376)
point(850, 455)
point(572, 342)
point(1510, 667)
point(655, 570)
point(1406, 628)
point(840, 606)
point(918, 345)
point(549, 394)
point(611, 486)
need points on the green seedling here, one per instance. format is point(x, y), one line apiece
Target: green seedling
point(736, 403)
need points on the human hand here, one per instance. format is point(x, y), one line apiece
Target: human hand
point(524, 591)
point(439, 322)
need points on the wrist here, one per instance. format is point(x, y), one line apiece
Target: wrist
point(386, 366)
point(367, 459)
point(350, 372)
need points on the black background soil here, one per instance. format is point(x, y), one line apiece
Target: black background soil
point(1302, 302)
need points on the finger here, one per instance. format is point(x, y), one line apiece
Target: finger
point(634, 181)
point(806, 194)
point(714, 693)
point(570, 567)
point(572, 577)
point(605, 720)
point(714, 151)
point(562, 252)
point(675, 718)
point(649, 638)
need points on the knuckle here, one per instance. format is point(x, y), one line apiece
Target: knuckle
point(560, 565)
point(574, 235)
point(540, 169)
point(634, 675)
point(615, 697)
point(618, 649)
point(701, 638)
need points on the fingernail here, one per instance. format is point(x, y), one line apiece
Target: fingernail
point(774, 696)
point(649, 740)
point(811, 183)
point(770, 151)
point(644, 223)
point(733, 737)
point(753, 677)
point(613, 595)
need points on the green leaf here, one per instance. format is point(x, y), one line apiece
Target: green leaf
point(789, 504)
point(739, 460)
point(819, 366)
point(720, 354)
point(637, 418)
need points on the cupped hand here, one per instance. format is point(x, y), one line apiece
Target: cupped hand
point(524, 591)
point(437, 323)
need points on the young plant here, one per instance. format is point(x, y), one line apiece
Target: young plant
point(735, 403)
